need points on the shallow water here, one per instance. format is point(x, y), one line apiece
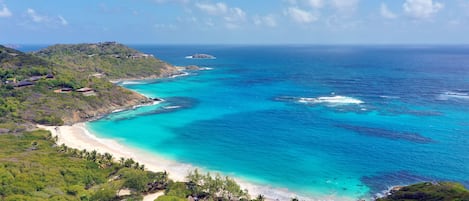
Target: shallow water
point(317, 120)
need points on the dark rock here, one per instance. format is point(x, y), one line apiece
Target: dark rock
point(192, 67)
point(4, 130)
point(157, 99)
point(202, 56)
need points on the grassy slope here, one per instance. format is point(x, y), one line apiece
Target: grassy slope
point(114, 60)
point(39, 104)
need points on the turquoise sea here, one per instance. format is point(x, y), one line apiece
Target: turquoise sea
point(316, 120)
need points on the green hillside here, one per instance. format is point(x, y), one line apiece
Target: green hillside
point(54, 86)
point(110, 59)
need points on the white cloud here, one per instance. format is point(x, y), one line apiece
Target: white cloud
point(233, 17)
point(235, 14)
point(5, 12)
point(300, 16)
point(44, 19)
point(315, 3)
point(421, 9)
point(268, 20)
point(213, 9)
point(63, 21)
point(34, 16)
point(386, 13)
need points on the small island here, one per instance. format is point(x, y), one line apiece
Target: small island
point(201, 56)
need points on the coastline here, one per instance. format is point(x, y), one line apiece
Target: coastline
point(79, 137)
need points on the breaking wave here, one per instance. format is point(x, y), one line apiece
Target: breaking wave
point(454, 95)
point(131, 82)
point(334, 100)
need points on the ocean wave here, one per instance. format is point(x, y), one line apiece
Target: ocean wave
point(130, 82)
point(454, 95)
point(172, 107)
point(205, 68)
point(389, 97)
point(180, 75)
point(334, 100)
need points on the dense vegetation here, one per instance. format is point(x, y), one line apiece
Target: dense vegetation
point(113, 60)
point(39, 102)
point(428, 191)
point(33, 167)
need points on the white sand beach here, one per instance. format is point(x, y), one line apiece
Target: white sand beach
point(79, 137)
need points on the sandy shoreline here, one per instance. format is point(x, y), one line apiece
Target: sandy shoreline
point(79, 137)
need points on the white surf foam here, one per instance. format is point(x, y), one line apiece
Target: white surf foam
point(131, 82)
point(451, 95)
point(172, 107)
point(206, 68)
point(180, 75)
point(390, 97)
point(333, 100)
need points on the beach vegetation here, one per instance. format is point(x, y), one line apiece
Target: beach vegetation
point(134, 179)
point(178, 189)
point(216, 187)
point(33, 167)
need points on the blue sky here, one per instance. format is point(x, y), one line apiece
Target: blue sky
point(235, 21)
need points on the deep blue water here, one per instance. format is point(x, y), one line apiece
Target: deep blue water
point(317, 120)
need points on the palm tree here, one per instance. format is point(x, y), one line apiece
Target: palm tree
point(93, 156)
point(74, 152)
point(63, 148)
point(129, 162)
point(84, 153)
point(260, 197)
point(122, 161)
point(136, 165)
point(108, 157)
